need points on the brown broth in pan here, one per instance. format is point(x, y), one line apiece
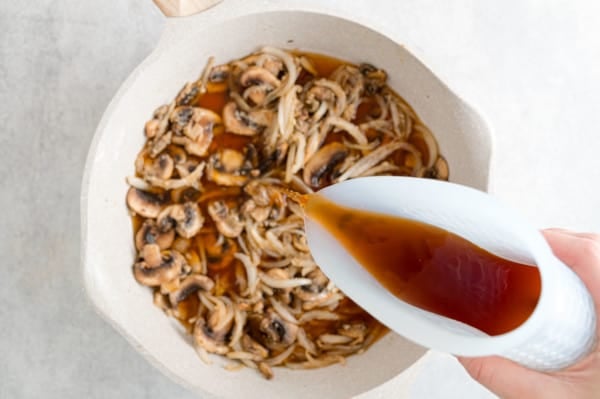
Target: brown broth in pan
point(225, 270)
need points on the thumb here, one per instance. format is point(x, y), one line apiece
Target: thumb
point(509, 380)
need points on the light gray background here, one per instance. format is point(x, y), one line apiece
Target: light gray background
point(532, 67)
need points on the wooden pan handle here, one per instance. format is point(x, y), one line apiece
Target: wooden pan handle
point(182, 8)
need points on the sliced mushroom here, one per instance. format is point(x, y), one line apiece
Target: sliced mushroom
point(231, 160)
point(255, 75)
point(161, 168)
point(152, 275)
point(185, 194)
point(155, 126)
point(178, 155)
point(317, 94)
point(185, 218)
point(439, 170)
point(270, 202)
point(190, 285)
point(299, 242)
point(229, 167)
point(172, 285)
point(181, 244)
point(246, 123)
point(210, 339)
point(187, 95)
point(375, 78)
point(150, 234)
point(260, 214)
point(185, 168)
point(278, 201)
point(140, 161)
point(323, 162)
point(145, 203)
point(314, 291)
point(271, 63)
point(256, 94)
point(150, 253)
point(274, 65)
point(212, 332)
point(272, 331)
point(197, 147)
point(227, 220)
point(219, 73)
point(259, 82)
point(161, 302)
point(158, 146)
point(193, 122)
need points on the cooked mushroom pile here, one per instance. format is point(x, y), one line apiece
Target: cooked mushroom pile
point(218, 240)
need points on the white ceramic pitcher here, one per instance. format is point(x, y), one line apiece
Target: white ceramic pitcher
point(559, 332)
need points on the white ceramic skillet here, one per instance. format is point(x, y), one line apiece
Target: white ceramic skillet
point(229, 30)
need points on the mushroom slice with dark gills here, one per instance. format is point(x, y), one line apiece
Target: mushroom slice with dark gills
point(178, 155)
point(267, 199)
point(325, 92)
point(267, 61)
point(185, 194)
point(316, 290)
point(157, 126)
point(190, 285)
point(145, 203)
point(323, 162)
point(229, 167)
point(193, 128)
point(211, 334)
point(258, 76)
point(150, 234)
point(272, 331)
point(161, 168)
point(226, 219)
point(218, 74)
point(185, 218)
point(246, 123)
point(193, 122)
point(258, 83)
point(375, 78)
point(188, 94)
point(156, 267)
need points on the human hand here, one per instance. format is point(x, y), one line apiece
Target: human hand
point(509, 380)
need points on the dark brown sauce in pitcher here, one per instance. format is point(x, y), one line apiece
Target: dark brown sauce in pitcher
point(433, 269)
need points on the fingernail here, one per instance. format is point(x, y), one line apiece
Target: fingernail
point(557, 230)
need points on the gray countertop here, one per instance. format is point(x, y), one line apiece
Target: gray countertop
point(533, 68)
